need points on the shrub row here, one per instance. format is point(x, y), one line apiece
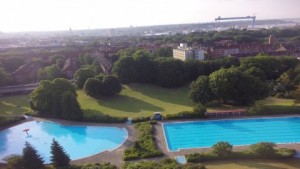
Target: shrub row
point(145, 146)
point(163, 164)
point(6, 121)
point(103, 118)
point(184, 115)
point(260, 109)
point(256, 151)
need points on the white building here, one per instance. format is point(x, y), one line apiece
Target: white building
point(183, 52)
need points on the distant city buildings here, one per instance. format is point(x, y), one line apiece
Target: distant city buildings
point(183, 52)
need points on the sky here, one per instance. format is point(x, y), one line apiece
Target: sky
point(49, 15)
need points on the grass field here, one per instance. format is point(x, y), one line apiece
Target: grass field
point(137, 100)
point(14, 105)
point(254, 164)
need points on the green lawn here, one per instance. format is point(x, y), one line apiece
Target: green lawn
point(138, 100)
point(281, 102)
point(135, 100)
point(14, 105)
point(254, 164)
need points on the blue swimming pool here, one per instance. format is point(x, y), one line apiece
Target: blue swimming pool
point(78, 141)
point(184, 135)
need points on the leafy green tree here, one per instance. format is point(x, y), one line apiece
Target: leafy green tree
point(200, 109)
point(31, 159)
point(54, 58)
point(13, 162)
point(222, 149)
point(232, 84)
point(170, 72)
point(60, 63)
point(200, 90)
point(81, 75)
point(110, 86)
point(50, 73)
point(125, 69)
point(92, 86)
point(164, 52)
point(59, 157)
point(56, 98)
point(145, 69)
point(256, 72)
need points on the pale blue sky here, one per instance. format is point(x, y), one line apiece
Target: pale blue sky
point(42, 15)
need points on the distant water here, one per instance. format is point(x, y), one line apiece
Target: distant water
point(237, 132)
point(78, 141)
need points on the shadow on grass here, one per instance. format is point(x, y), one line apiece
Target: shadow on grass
point(127, 104)
point(171, 95)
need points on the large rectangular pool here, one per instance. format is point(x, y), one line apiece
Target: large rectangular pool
point(200, 134)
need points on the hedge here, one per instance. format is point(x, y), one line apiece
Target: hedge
point(145, 146)
point(281, 153)
point(184, 115)
point(260, 109)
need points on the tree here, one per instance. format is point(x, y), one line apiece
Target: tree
point(50, 73)
point(164, 52)
point(56, 98)
point(124, 69)
point(200, 90)
point(145, 69)
point(200, 109)
point(81, 75)
point(232, 84)
point(170, 72)
point(13, 162)
point(31, 159)
point(110, 86)
point(59, 157)
point(102, 85)
point(222, 149)
point(92, 86)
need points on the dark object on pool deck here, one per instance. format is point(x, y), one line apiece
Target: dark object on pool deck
point(26, 130)
point(157, 116)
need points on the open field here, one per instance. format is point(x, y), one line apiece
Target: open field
point(14, 105)
point(254, 164)
point(137, 100)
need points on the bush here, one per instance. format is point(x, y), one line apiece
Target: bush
point(200, 109)
point(222, 149)
point(263, 149)
point(13, 161)
point(260, 150)
point(145, 146)
point(140, 119)
point(184, 115)
point(103, 118)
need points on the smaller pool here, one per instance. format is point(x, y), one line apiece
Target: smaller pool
point(78, 141)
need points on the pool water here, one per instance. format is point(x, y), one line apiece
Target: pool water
point(184, 135)
point(78, 141)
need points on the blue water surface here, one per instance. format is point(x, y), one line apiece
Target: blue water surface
point(183, 135)
point(78, 141)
